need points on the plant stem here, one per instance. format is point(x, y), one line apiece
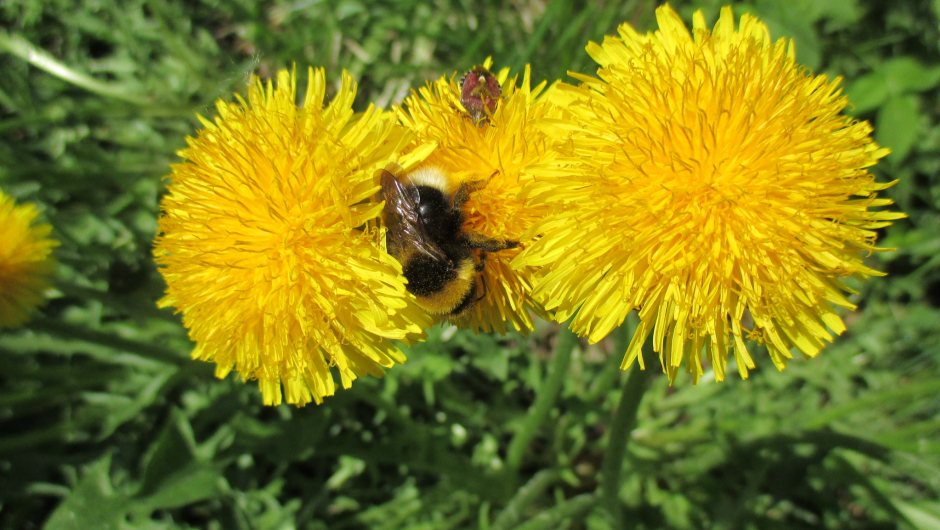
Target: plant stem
point(528, 494)
point(552, 519)
point(544, 401)
point(611, 372)
point(623, 422)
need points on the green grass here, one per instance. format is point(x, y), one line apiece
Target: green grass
point(105, 421)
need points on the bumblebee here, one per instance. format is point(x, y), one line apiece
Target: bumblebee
point(424, 218)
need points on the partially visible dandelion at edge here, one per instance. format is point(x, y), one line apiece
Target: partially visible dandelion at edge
point(26, 262)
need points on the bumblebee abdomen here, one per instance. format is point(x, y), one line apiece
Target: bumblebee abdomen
point(427, 276)
point(440, 287)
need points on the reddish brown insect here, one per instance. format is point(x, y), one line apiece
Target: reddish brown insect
point(479, 94)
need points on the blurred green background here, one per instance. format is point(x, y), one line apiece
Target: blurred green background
point(105, 423)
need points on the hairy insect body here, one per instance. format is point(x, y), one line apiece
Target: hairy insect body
point(480, 94)
point(439, 283)
point(424, 216)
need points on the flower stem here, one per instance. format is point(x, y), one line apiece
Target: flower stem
point(611, 371)
point(524, 497)
point(544, 401)
point(573, 509)
point(622, 423)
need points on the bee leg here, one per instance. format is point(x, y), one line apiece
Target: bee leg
point(482, 265)
point(482, 279)
point(486, 244)
point(466, 188)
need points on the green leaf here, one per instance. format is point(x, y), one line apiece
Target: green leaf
point(783, 22)
point(175, 476)
point(795, 20)
point(892, 396)
point(192, 484)
point(349, 467)
point(178, 472)
point(122, 409)
point(92, 504)
point(173, 450)
point(868, 92)
point(923, 515)
point(495, 362)
point(889, 80)
point(906, 74)
point(17, 45)
point(840, 13)
point(898, 126)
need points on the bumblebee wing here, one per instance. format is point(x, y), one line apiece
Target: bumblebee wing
point(405, 230)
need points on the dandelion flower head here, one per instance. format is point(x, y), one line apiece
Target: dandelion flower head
point(500, 150)
point(721, 193)
point(269, 245)
point(26, 264)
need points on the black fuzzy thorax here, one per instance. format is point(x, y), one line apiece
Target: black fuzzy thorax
point(441, 220)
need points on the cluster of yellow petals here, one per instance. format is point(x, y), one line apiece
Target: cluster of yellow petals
point(500, 152)
point(711, 183)
point(26, 264)
point(269, 245)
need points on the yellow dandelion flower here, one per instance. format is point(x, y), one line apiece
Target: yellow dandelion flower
point(498, 149)
point(26, 264)
point(719, 185)
point(269, 246)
